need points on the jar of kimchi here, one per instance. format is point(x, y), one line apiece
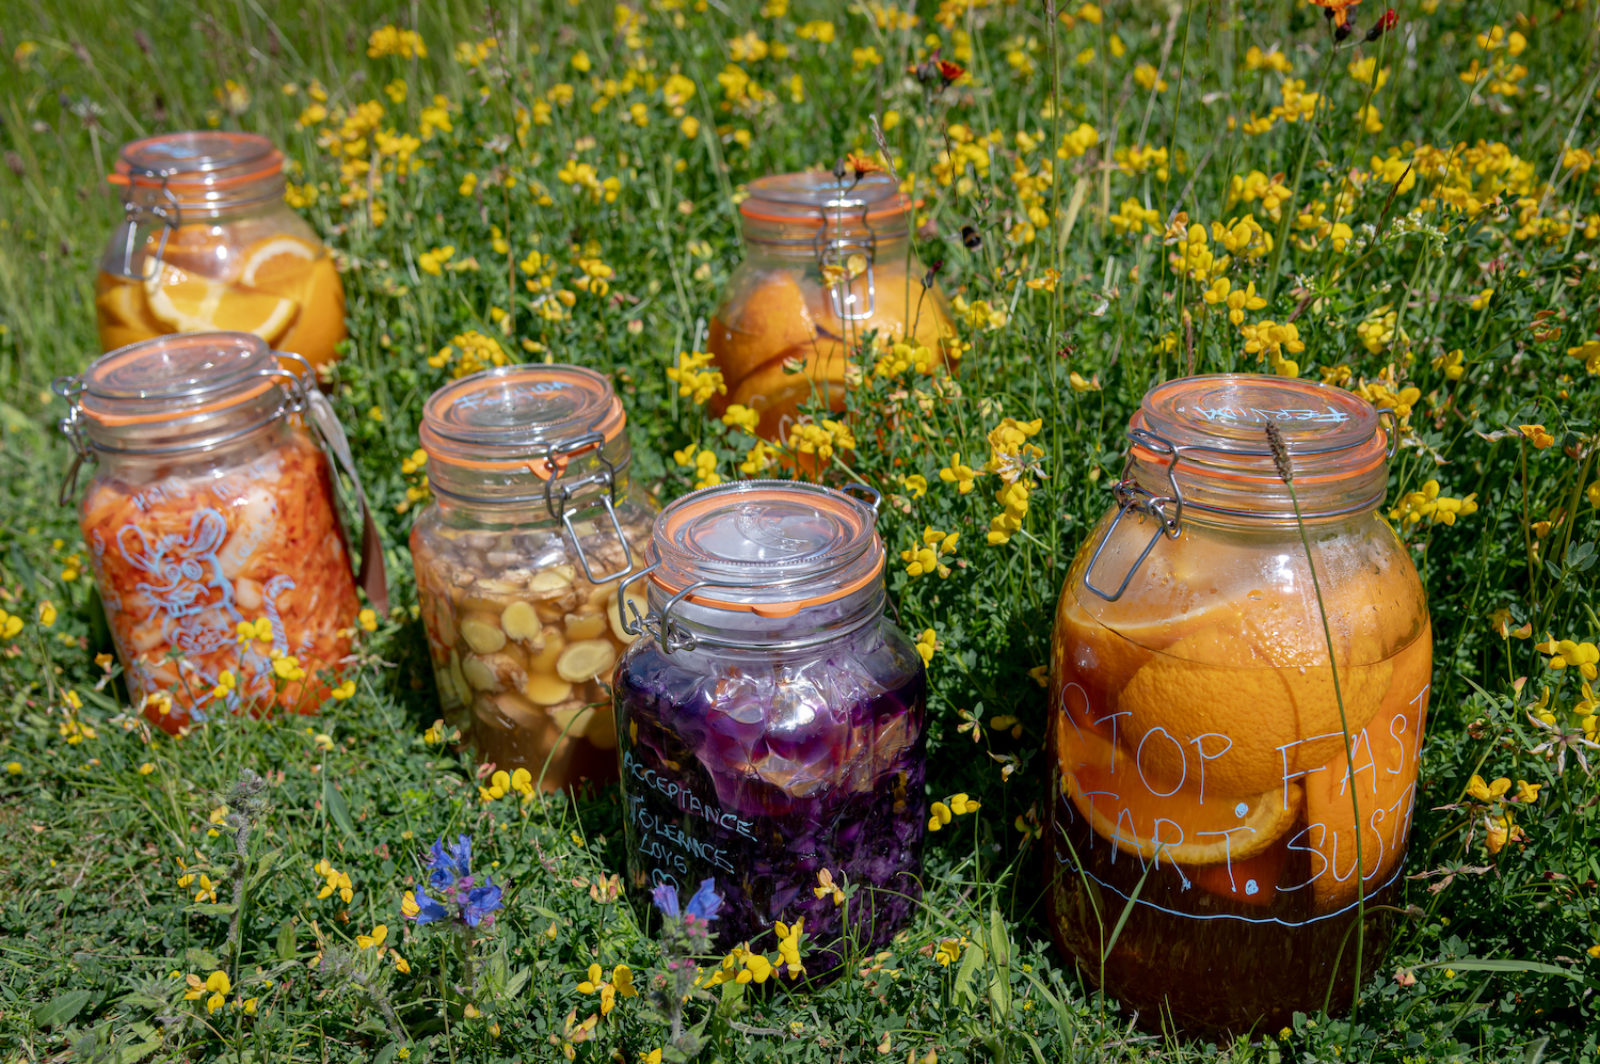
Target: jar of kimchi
point(828, 261)
point(207, 243)
point(535, 520)
point(771, 718)
point(1244, 792)
point(211, 525)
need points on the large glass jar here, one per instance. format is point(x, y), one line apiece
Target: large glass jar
point(535, 520)
point(827, 260)
point(771, 718)
point(211, 505)
point(207, 243)
point(1210, 771)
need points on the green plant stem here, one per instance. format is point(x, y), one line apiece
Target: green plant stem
point(1349, 753)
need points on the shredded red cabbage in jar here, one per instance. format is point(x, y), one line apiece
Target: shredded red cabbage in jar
point(762, 772)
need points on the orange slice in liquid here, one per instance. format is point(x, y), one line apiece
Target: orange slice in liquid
point(186, 303)
point(1151, 819)
point(1384, 754)
point(278, 264)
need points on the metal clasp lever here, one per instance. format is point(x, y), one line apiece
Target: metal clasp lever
point(72, 427)
point(837, 251)
point(170, 214)
point(556, 502)
point(865, 493)
point(662, 627)
point(616, 528)
point(1130, 496)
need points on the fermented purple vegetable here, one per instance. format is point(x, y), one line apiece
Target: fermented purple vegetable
point(762, 773)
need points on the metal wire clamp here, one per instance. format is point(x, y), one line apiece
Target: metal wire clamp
point(169, 214)
point(556, 499)
point(837, 251)
point(1131, 496)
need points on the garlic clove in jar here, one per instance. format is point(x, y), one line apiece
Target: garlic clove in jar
point(548, 583)
point(545, 660)
point(572, 717)
point(491, 672)
point(582, 626)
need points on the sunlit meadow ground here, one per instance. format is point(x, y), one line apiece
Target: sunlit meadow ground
point(1418, 217)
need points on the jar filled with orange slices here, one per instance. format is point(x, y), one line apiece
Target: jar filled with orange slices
point(535, 520)
point(1239, 681)
point(207, 243)
point(211, 525)
point(828, 264)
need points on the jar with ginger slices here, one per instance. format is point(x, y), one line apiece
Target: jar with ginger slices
point(1244, 798)
point(207, 243)
point(535, 520)
point(212, 526)
point(828, 262)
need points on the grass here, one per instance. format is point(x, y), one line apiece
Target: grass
point(1467, 224)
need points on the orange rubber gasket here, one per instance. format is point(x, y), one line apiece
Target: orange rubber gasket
point(899, 206)
point(1201, 471)
point(786, 608)
point(269, 165)
point(248, 390)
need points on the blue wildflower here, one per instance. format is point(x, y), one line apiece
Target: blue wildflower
point(665, 896)
point(481, 902)
point(450, 875)
point(706, 901)
point(703, 906)
point(428, 910)
point(447, 866)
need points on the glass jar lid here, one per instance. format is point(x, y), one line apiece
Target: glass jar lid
point(816, 199)
point(202, 167)
point(1205, 438)
point(177, 391)
point(532, 418)
point(767, 547)
point(1200, 448)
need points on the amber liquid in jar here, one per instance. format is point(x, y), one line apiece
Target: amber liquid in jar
point(282, 288)
point(534, 524)
point(207, 243)
point(827, 264)
point(1201, 771)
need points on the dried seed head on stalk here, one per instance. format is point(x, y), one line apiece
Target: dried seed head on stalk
point(1280, 452)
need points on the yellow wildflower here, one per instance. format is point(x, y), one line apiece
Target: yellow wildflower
point(962, 476)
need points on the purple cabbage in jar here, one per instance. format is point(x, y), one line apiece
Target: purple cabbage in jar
point(762, 771)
